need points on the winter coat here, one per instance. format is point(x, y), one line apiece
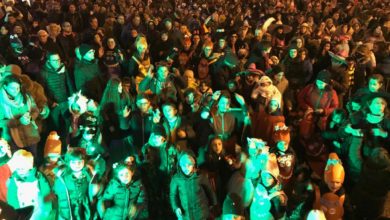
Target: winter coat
point(58, 85)
point(88, 78)
point(123, 197)
point(38, 189)
point(312, 97)
point(11, 111)
point(71, 194)
point(192, 194)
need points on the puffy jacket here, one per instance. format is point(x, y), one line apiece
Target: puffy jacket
point(192, 194)
point(68, 192)
point(123, 198)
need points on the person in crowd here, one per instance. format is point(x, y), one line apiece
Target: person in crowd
point(330, 194)
point(29, 187)
point(193, 203)
point(325, 61)
point(127, 193)
point(18, 116)
point(75, 187)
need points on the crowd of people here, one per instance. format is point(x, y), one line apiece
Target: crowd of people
point(194, 109)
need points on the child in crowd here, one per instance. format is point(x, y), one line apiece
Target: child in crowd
point(75, 187)
point(191, 195)
point(29, 187)
point(126, 194)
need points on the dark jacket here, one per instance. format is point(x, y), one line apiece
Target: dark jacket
point(88, 78)
point(192, 194)
point(123, 197)
point(71, 193)
point(58, 85)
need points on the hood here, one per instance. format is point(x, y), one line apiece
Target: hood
point(185, 153)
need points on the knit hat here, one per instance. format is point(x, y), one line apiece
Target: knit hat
point(281, 133)
point(324, 76)
point(159, 130)
point(84, 48)
point(271, 166)
point(233, 205)
point(334, 170)
point(22, 159)
point(52, 145)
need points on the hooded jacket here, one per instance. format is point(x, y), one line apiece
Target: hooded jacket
point(192, 194)
point(123, 198)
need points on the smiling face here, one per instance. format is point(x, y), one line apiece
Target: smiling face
point(125, 176)
point(76, 165)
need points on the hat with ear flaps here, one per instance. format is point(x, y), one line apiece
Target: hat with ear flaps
point(52, 145)
point(334, 170)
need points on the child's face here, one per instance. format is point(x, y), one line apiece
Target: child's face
point(187, 165)
point(216, 146)
point(156, 140)
point(334, 185)
point(374, 85)
point(282, 146)
point(125, 176)
point(76, 165)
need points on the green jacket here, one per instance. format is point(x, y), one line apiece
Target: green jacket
point(123, 198)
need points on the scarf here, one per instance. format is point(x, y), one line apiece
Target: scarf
point(9, 104)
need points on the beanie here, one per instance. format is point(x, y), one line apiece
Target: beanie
point(52, 145)
point(324, 76)
point(233, 205)
point(84, 48)
point(334, 170)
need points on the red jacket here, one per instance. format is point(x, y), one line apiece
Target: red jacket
point(5, 173)
point(312, 97)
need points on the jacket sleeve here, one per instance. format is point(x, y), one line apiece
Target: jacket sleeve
point(208, 190)
point(334, 103)
point(174, 194)
point(145, 84)
point(142, 203)
point(301, 98)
